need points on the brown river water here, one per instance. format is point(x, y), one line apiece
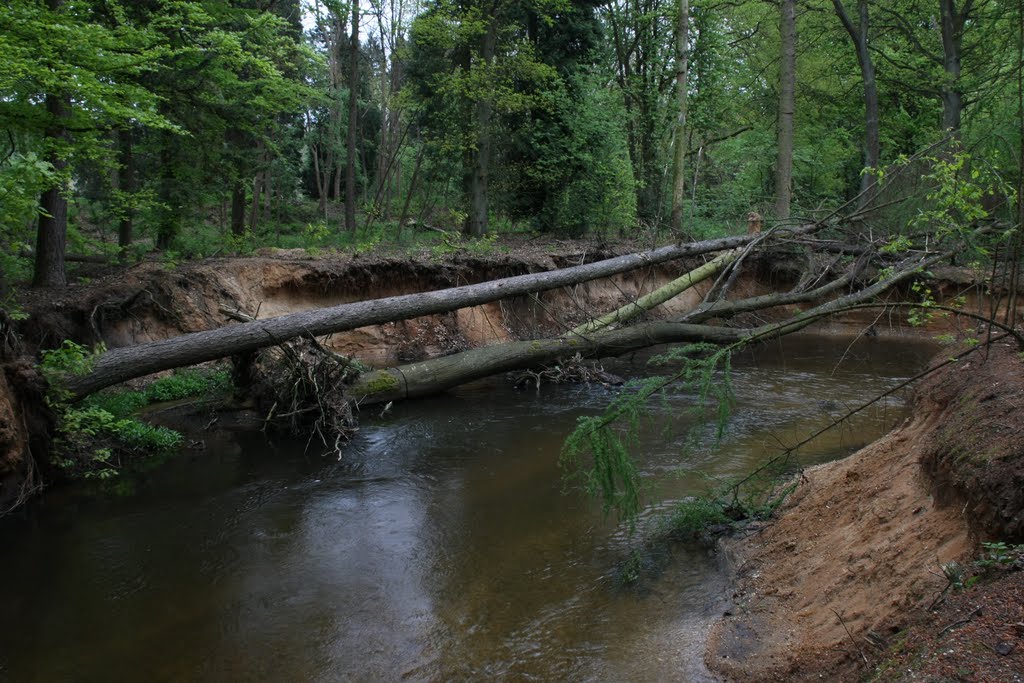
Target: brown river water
point(442, 546)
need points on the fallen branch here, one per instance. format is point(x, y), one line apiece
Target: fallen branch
point(658, 296)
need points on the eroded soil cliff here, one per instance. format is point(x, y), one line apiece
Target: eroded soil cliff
point(856, 559)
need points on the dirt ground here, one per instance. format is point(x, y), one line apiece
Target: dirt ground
point(848, 584)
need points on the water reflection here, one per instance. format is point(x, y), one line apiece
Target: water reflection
point(441, 548)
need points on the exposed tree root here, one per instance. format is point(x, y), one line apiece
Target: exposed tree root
point(303, 388)
point(573, 370)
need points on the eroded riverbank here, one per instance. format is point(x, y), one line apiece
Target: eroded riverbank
point(857, 557)
point(443, 548)
point(502, 639)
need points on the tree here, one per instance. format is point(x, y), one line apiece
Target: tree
point(952, 22)
point(472, 70)
point(787, 107)
point(73, 72)
point(641, 36)
point(353, 122)
point(682, 97)
point(859, 35)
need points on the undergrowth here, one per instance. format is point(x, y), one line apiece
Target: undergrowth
point(96, 437)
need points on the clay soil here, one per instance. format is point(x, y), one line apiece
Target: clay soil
point(848, 583)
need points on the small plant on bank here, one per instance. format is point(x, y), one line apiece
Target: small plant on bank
point(96, 435)
point(755, 496)
point(1000, 557)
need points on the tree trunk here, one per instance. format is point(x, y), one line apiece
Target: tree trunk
point(439, 374)
point(412, 188)
point(128, 185)
point(321, 181)
point(119, 365)
point(787, 108)
point(952, 23)
point(170, 201)
point(353, 123)
point(658, 296)
point(51, 235)
point(476, 224)
point(254, 205)
point(859, 35)
point(238, 209)
point(679, 156)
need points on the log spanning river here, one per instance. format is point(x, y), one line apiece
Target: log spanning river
point(442, 546)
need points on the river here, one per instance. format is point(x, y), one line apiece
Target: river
point(442, 546)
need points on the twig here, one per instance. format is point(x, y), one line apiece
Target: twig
point(961, 622)
point(890, 392)
point(852, 639)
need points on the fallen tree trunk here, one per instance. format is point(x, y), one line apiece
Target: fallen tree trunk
point(658, 296)
point(439, 374)
point(432, 376)
point(119, 365)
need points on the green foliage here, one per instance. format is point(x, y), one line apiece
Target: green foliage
point(91, 440)
point(998, 556)
point(754, 496)
point(94, 436)
point(957, 196)
point(175, 387)
point(612, 474)
point(897, 244)
point(920, 315)
point(22, 178)
point(691, 518)
point(69, 359)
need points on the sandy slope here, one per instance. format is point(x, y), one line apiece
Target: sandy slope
point(857, 555)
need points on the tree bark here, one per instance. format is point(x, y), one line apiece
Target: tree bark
point(170, 201)
point(859, 35)
point(52, 231)
point(682, 99)
point(787, 108)
point(952, 24)
point(476, 224)
point(128, 186)
point(439, 374)
point(321, 181)
point(119, 365)
point(353, 123)
point(238, 209)
point(658, 296)
point(409, 192)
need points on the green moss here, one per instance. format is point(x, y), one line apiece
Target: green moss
point(383, 382)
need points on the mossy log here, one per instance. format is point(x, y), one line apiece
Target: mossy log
point(658, 296)
point(439, 374)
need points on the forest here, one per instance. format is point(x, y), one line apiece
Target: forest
point(197, 128)
point(302, 213)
